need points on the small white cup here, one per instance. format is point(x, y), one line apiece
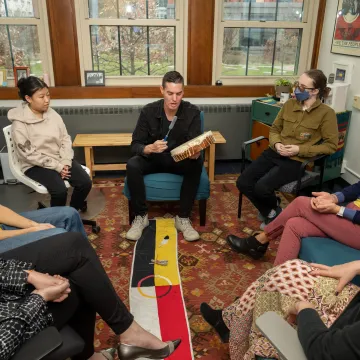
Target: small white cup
point(284, 97)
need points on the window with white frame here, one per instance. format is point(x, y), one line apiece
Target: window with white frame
point(24, 38)
point(133, 41)
point(263, 39)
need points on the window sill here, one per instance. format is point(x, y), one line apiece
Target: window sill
point(113, 92)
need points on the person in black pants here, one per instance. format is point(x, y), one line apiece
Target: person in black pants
point(152, 154)
point(304, 128)
point(44, 147)
point(35, 274)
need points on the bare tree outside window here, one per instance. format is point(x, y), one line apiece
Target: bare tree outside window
point(132, 50)
point(19, 44)
point(257, 51)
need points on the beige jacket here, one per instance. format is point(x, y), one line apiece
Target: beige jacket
point(40, 142)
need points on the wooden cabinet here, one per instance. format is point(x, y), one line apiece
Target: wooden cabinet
point(259, 129)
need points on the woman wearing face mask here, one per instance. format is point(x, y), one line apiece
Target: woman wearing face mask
point(304, 127)
point(44, 147)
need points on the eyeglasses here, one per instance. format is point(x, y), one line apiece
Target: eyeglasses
point(302, 87)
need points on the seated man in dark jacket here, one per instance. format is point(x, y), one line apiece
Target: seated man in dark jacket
point(152, 154)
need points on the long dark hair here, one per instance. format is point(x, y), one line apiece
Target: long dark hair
point(319, 82)
point(29, 86)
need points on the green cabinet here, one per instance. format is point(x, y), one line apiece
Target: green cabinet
point(265, 113)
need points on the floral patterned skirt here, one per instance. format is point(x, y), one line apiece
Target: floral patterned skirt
point(277, 290)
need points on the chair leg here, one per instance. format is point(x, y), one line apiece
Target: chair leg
point(131, 213)
point(240, 204)
point(95, 228)
point(202, 210)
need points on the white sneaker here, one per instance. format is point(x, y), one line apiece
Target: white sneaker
point(137, 227)
point(272, 216)
point(184, 225)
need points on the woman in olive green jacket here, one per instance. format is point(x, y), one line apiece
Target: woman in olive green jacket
point(305, 127)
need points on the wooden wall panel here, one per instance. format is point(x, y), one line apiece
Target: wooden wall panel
point(114, 92)
point(64, 44)
point(318, 34)
point(200, 41)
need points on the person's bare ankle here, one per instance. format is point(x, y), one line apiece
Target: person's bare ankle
point(262, 238)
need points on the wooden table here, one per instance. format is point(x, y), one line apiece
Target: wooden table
point(89, 141)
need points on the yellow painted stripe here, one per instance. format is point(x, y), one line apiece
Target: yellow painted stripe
point(166, 250)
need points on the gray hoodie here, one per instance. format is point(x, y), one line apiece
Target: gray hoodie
point(40, 142)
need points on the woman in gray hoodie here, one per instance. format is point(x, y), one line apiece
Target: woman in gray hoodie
point(44, 147)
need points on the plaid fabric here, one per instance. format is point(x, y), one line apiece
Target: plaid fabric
point(21, 316)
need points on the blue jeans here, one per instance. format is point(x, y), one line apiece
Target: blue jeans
point(64, 218)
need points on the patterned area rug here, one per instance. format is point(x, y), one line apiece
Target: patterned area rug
point(209, 270)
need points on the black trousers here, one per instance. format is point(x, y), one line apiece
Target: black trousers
point(266, 174)
point(53, 182)
point(71, 255)
point(138, 166)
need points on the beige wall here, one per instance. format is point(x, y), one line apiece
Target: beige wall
point(326, 58)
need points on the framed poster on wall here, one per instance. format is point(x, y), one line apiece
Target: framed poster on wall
point(346, 38)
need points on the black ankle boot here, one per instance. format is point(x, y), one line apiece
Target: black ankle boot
point(248, 246)
point(214, 318)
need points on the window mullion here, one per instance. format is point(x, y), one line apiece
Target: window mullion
point(126, 22)
point(264, 24)
point(6, 8)
point(120, 57)
point(274, 53)
point(148, 48)
point(36, 9)
point(305, 11)
point(10, 44)
point(248, 53)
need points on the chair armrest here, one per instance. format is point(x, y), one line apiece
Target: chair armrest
point(40, 345)
point(245, 144)
point(259, 138)
point(313, 159)
point(281, 335)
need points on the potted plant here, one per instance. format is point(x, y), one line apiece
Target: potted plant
point(282, 86)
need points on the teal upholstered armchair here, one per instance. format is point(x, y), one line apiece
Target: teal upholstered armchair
point(166, 187)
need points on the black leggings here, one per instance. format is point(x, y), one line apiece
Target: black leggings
point(266, 174)
point(71, 255)
point(55, 185)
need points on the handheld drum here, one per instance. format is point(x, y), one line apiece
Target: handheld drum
point(193, 146)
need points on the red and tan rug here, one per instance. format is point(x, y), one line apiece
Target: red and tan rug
point(209, 270)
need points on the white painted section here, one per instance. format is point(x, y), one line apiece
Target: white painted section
point(145, 310)
point(326, 59)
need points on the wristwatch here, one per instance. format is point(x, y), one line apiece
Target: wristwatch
point(341, 211)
